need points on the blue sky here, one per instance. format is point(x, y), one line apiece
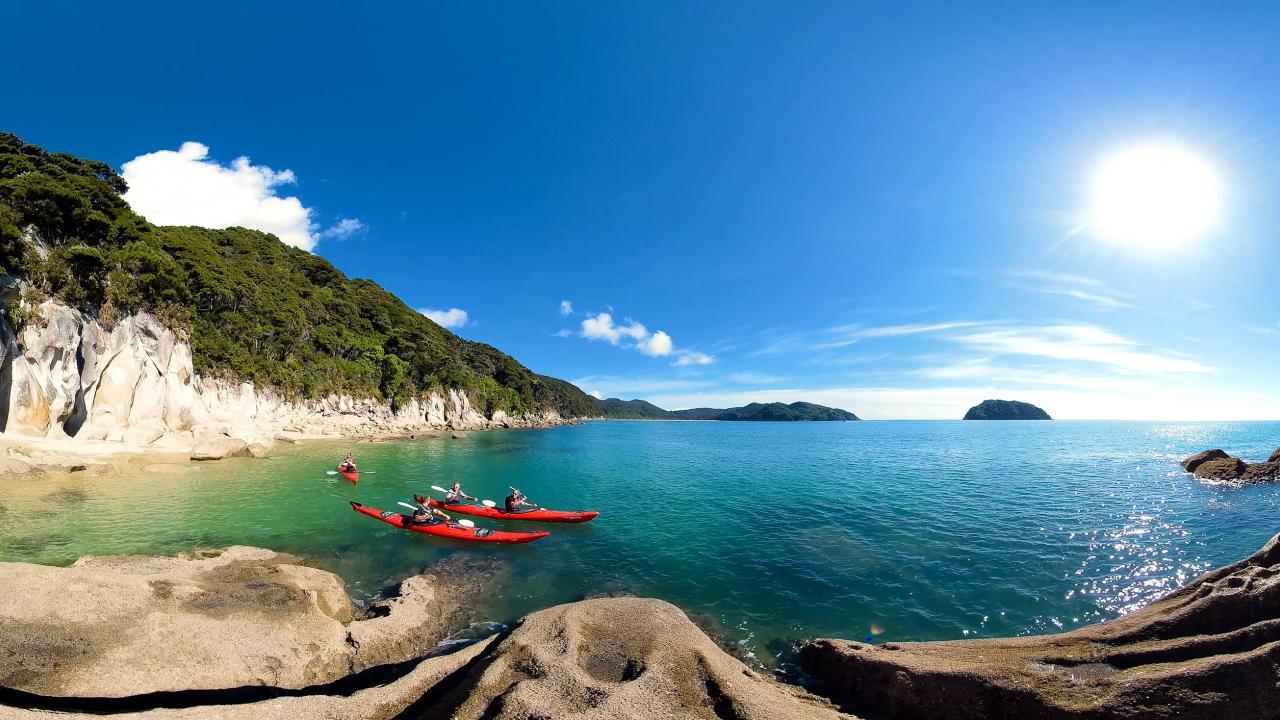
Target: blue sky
point(884, 208)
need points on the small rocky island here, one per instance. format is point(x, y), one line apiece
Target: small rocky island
point(1005, 410)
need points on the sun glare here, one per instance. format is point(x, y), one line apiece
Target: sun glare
point(1154, 197)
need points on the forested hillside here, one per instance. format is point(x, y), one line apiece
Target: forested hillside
point(254, 308)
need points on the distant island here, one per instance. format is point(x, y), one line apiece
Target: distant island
point(616, 409)
point(1005, 410)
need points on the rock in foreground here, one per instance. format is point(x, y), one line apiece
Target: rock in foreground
point(110, 627)
point(617, 658)
point(1209, 651)
point(1005, 410)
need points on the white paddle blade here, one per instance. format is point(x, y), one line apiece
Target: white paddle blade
point(488, 503)
point(466, 523)
point(437, 488)
point(330, 472)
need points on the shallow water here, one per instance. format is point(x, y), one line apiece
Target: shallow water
point(775, 532)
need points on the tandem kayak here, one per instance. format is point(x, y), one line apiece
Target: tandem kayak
point(448, 530)
point(535, 515)
point(352, 475)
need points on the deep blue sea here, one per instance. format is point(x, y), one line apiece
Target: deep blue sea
point(767, 532)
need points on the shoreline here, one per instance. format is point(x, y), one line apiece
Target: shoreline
point(270, 636)
point(20, 455)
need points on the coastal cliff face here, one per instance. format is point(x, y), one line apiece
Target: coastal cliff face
point(63, 375)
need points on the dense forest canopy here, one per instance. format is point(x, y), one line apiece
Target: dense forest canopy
point(254, 308)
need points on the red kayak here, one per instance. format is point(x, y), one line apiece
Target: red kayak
point(353, 475)
point(449, 530)
point(536, 515)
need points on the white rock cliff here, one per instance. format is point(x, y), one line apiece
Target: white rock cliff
point(64, 376)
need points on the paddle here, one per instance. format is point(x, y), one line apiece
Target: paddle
point(463, 523)
point(437, 488)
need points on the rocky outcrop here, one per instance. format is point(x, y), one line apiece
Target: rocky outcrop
point(64, 375)
point(1191, 463)
point(1210, 651)
point(1005, 410)
point(115, 627)
point(1217, 466)
point(261, 636)
point(617, 658)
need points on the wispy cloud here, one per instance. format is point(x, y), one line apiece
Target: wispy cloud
point(845, 335)
point(754, 378)
point(566, 308)
point(344, 229)
point(629, 387)
point(1102, 301)
point(1079, 342)
point(1064, 278)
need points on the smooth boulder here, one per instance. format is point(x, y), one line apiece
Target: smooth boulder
point(617, 658)
point(112, 627)
point(1209, 651)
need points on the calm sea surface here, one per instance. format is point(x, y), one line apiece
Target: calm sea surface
point(772, 532)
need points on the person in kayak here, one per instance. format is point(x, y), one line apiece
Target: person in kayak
point(424, 514)
point(517, 500)
point(348, 464)
point(455, 495)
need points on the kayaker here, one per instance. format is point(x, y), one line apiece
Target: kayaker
point(424, 514)
point(517, 500)
point(455, 495)
point(348, 464)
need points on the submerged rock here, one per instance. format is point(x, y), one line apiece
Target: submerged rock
point(1209, 651)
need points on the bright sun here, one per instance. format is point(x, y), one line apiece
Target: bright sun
point(1154, 197)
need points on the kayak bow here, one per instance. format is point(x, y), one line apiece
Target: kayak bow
point(450, 530)
point(352, 475)
point(536, 515)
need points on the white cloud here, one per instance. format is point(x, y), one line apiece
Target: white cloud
point(185, 187)
point(693, 357)
point(601, 327)
point(596, 394)
point(631, 334)
point(658, 345)
point(451, 318)
point(566, 308)
point(344, 228)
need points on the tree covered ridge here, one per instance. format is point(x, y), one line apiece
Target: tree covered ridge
point(253, 308)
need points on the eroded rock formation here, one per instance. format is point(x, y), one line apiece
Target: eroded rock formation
point(63, 375)
point(1210, 651)
point(112, 627)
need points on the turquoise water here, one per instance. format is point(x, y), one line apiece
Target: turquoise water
point(773, 532)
